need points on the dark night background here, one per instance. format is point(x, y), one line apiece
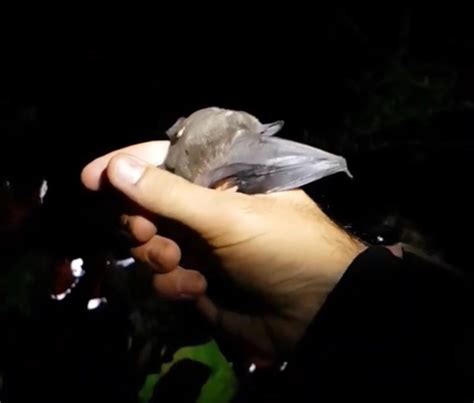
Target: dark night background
point(390, 88)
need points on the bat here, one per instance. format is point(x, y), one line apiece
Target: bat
point(221, 149)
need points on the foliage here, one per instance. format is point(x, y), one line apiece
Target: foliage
point(400, 92)
point(397, 86)
point(24, 284)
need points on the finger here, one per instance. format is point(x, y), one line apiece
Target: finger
point(169, 195)
point(161, 254)
point(180, 284)
point(140, 228)
point(154, 152)
point(247, 328)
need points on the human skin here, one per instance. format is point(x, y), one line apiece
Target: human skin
point(279, 247)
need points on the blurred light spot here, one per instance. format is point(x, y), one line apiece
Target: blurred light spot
point(76, 267)
point(252, 368)
point(125, 262)
point(60, 297)
point(94, 303)
point(180, 133)
point(283, 366)
point(43, 190)
point(380, 238)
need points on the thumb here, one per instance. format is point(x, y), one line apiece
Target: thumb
point(166, 194)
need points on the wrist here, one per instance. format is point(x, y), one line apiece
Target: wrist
point(337, 250)
point(333, 251)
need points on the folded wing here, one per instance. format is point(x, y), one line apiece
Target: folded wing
point(264, 164)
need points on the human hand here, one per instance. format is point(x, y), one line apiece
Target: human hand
point(279, 247)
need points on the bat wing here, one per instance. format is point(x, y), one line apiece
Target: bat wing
point(264, 164)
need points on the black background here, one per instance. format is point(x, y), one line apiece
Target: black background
point(73, 87)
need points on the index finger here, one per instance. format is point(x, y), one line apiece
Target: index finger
point(153, 152)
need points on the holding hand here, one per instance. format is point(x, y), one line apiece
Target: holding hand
point(280, 246)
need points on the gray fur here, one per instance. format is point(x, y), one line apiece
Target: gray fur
point(214, 145)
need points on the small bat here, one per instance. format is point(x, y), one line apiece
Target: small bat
point(222, 148)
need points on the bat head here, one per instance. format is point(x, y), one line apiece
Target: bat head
point(216, 122)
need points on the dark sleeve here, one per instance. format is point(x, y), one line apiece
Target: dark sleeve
point(389, 331)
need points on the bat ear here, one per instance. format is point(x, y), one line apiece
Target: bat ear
point(173, 130)
point(269, 129)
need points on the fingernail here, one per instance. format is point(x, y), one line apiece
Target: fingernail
point(192, 284)
point(186, 296)
point(124, 219)
point(129, 169)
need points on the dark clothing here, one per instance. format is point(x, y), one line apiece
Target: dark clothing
point(391, 330)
